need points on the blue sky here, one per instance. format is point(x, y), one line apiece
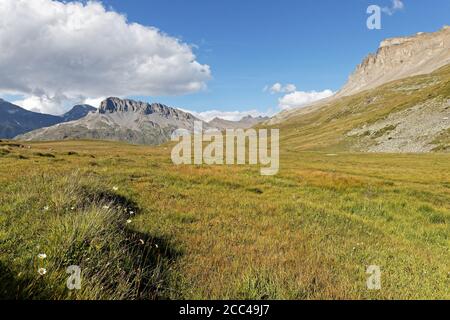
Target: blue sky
point(251, 44)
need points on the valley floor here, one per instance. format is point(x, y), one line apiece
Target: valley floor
point(141, 228)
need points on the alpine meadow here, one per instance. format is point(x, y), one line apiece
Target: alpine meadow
point(341, 194)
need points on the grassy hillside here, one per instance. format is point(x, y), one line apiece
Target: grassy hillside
point(140, 227)
point(327, 128)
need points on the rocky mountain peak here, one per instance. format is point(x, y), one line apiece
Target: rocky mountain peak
point(121, 120)
point(117, 105)
point(78, 112)
point(80, 107)
point(399, 58)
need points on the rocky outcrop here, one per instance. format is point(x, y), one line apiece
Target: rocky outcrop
point(114, 105)
point(413, 130)
point(399, 58)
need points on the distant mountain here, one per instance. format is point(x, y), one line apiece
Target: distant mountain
point(131, 121)
point(15, 120)
point(244, 123)
point(78, 112)
point(121, 120)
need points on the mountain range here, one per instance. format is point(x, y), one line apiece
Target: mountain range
point(397, 100)
point(132, 121)
point(244, 123)
point(15, 120)
point(121, 120)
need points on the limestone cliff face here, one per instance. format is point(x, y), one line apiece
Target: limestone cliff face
point(399, 58)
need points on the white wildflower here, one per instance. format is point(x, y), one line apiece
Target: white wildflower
point(42, 256)
point(42, 271)
point(129, 221)
point(115, 188)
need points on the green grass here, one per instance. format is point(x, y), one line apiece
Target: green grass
point(142, 228)
point(74, 219)
point(309, 232)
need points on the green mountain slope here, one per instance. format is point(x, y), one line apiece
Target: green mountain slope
point(408, 115)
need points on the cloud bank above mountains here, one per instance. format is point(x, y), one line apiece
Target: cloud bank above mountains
point(55, 54)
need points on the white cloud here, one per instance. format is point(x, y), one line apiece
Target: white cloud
point(94, 102)
point(227, 115)
point(290, 88)
point(43, 103)
point(279, 88)
point(276, 88)
point(301, 98)
point(53, 53)
point(396, 6)
point(58, 104)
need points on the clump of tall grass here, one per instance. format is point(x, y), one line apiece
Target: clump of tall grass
point(56, 221)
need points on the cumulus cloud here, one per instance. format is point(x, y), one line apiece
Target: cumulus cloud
point(94, 102)
point(301, 98)
point(43, 103)
point(396, 6)
point(54, 52)
point(279, 88)
point(58, 104)
point(227, 115)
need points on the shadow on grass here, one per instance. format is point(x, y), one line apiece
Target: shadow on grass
point(110, 198)
point(153, 256)
point(14, 288)
point(147, 262)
